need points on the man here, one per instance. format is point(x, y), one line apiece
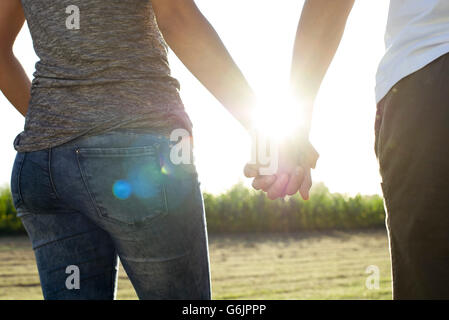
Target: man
point(412, 129)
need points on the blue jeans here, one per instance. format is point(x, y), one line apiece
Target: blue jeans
point(96, 198)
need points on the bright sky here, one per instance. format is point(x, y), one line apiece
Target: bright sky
point(260, 35)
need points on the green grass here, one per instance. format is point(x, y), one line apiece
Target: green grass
point(313, 265)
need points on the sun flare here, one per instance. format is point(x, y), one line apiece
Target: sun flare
point(278, 118)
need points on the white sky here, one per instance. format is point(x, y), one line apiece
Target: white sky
point(259, 34)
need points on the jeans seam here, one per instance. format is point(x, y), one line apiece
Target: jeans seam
point(64, 238)
point(19, 174)
point(163, 184)
point(114, 275)
point(100, 213)
point(206, 239)
point(50, 175)
point(92, 199)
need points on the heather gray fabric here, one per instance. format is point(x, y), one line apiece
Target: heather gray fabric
point(110, 72)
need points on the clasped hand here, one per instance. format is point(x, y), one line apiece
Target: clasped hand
point(295, 158)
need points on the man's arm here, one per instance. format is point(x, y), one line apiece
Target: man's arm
point(198, 46)
point(319, 33)
point(14, 82)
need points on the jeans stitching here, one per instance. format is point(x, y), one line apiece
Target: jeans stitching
point(205, 238)
point(114, 220)
point(156, 260)
point(163, 184)
point(97, 210)
point(65, 238)
point(50, 175)
point(114, 276)
point(19, 174)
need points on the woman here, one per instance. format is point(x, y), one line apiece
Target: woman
point(92, 179)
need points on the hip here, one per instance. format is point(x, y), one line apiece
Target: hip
point(123, 176)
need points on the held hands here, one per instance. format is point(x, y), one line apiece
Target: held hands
point(295, 158)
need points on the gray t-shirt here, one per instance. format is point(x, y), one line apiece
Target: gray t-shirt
point(103, 65)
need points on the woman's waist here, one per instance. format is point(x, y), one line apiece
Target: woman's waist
point(43, 131)
point(116, 81)
point(77, 71)
point(105, 95)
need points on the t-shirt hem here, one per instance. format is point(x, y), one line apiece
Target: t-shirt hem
point(383, 87)
point(105, 127)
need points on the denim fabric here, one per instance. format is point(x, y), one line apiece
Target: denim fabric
point(94, 198)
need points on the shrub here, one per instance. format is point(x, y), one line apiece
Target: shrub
point(243, 210)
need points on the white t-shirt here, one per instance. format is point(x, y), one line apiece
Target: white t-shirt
point(417, 33)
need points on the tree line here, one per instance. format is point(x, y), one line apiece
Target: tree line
point(244, 210)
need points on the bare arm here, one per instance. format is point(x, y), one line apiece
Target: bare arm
point(319, 33)
point(198, 46)
point(14, 82)
point(318, 36)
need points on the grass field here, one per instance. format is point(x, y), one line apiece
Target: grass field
point(316, 265)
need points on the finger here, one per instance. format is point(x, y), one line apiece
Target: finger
point(267, 182)
point(306, 185)
point(295, 181)
point(263, 182)
point(277, 188)
point(310, 156)
point(283, 193)
point(251, 170)
point(313, 157)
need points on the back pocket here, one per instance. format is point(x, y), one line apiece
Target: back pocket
point(126, 185)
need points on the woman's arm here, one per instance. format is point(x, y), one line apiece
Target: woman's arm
point(14, 82)
point(198, 46)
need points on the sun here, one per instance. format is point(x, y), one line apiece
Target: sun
point(278, 118)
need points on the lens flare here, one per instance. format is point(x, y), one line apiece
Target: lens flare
point(145, 180)
point(121, 189)
point(278, 118)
